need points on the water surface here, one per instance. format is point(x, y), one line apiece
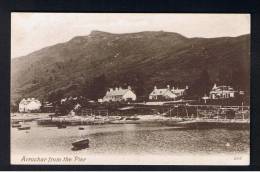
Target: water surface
point(128, 139)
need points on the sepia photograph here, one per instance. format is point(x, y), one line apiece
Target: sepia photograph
point(130, 89)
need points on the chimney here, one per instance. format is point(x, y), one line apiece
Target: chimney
point(120, 88)
point(187, 87)
point(155, 87)
point(129, 87)
point(110, 89)
point(168, 87)
point(173, 88)
point(215, 86)
point(116, 88)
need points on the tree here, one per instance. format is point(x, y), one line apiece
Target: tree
point(240, 79)
point(135, 80)
point(97, 88)
point(55, 96)
point(14, 108)
point(200, 86)
point(138, 84)
point(224, 77)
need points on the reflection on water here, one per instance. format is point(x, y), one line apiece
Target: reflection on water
point(128, 139)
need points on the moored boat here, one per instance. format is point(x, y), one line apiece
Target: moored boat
point(61, 126)
point(24, 128)
point(16, 125)
point(81, 128)
point(132, 118)
point(80, 144)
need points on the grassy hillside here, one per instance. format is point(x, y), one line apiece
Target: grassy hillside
point(141, 59)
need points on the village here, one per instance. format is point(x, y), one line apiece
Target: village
point(120, 108)
point(120, 105)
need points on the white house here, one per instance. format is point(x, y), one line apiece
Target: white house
point(119, 94)
point(179, 92)
point(221, 92)
point(166, 93)
point(29, 105)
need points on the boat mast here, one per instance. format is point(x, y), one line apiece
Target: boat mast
point(187, 115)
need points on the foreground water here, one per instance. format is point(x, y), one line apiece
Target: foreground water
point(126, 140)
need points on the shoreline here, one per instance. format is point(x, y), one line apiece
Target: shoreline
point(46, 120)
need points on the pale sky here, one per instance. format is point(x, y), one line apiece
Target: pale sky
point(33, 31)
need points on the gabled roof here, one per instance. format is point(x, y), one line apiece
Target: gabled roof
point(29, 100)
point(167, 91)
point(162, 91)
point(117, 92)
point(222, 88)
point(178, 90)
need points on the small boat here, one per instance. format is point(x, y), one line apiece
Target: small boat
point(24, 128)
point(16, 125)
point(121, 118)
point(227, 144)
point(132, 118)
point(16, 122)
point(61, 126)
point(80, 144)
point(81, 128)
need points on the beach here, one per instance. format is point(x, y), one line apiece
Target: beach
point(134, 140)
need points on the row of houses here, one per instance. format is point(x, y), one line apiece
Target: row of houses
point(168, 93)
point(120, 94)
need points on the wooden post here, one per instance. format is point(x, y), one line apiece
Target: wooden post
point(177, 112)
point(187, 115)
point(197, 112)
point(218, 114)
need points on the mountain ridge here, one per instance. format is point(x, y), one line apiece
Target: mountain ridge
point(99, 31)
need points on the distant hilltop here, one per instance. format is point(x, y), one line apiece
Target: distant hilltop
point(100, 60)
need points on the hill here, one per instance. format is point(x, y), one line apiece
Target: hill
point(83, 64)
